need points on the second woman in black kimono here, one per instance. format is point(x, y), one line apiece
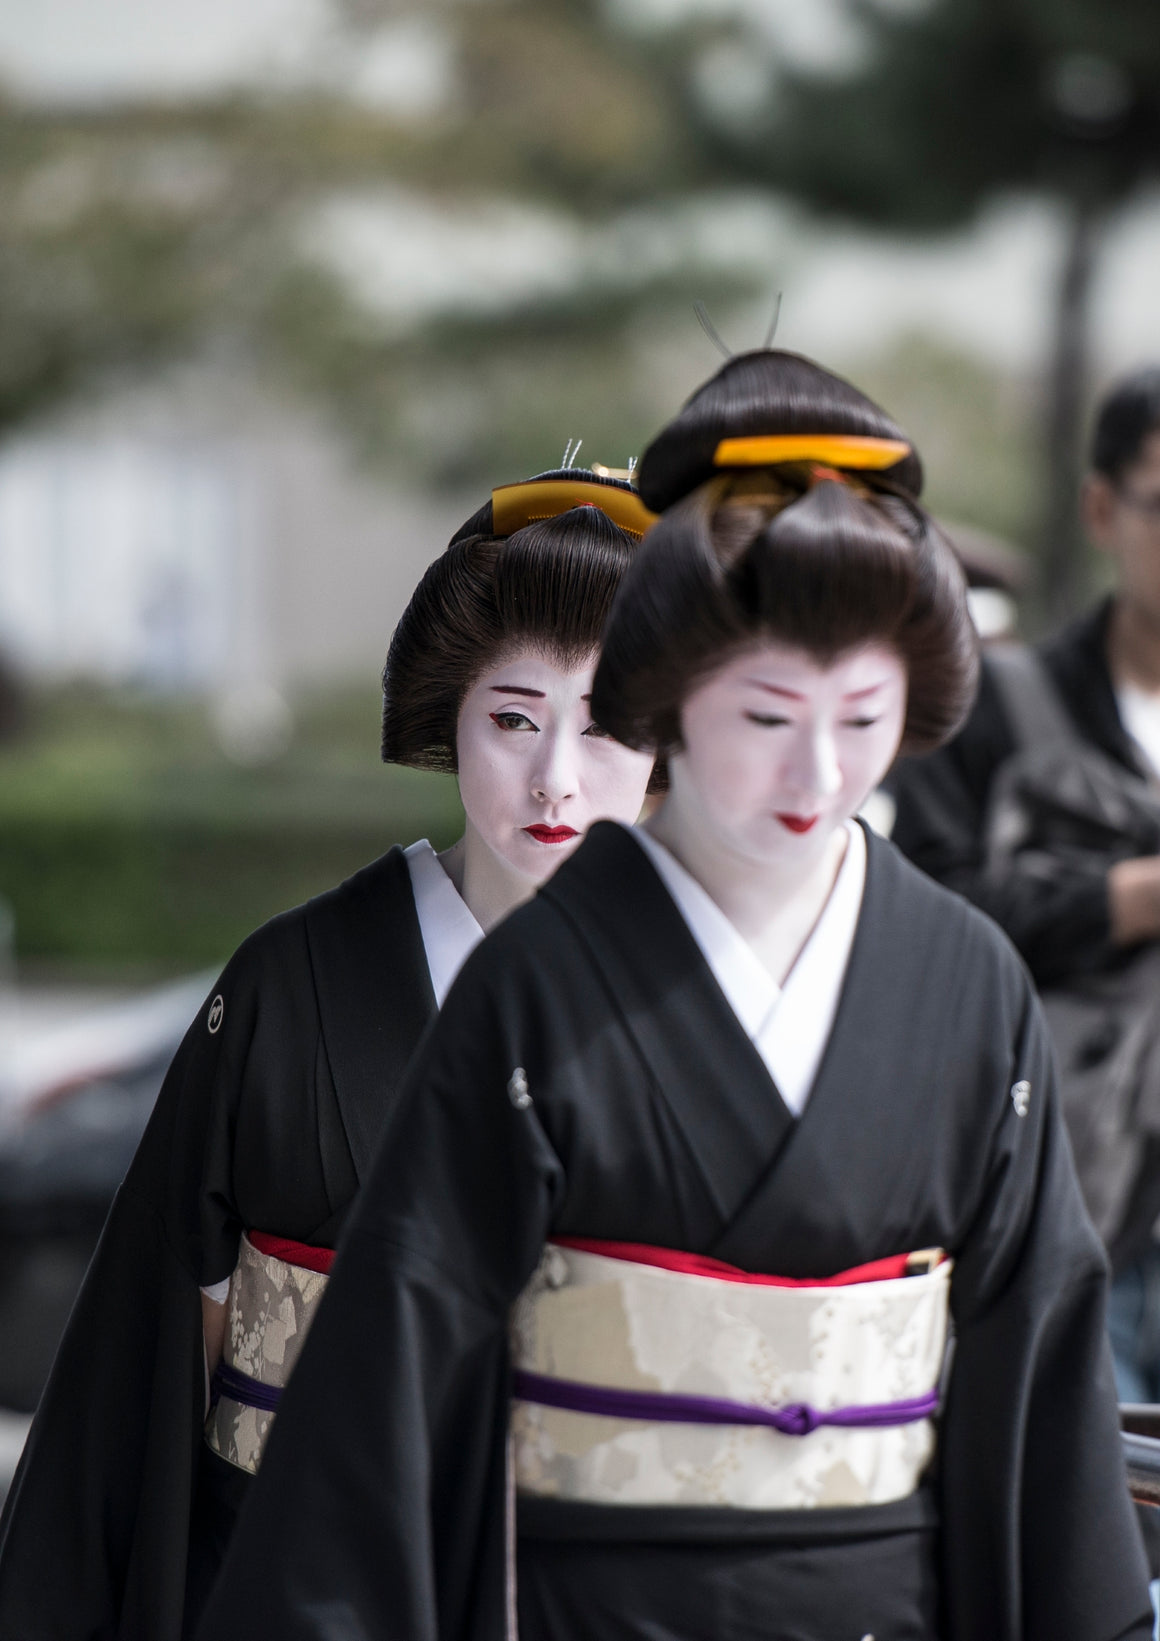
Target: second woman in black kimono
point(126, 1495)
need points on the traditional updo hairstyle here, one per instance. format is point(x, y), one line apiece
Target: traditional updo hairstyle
point(790, 512)
point(537, 566)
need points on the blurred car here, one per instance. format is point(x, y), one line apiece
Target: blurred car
point(75, 1094)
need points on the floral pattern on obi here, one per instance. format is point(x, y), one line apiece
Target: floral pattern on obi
point(271, 1306)
point(611, 1322)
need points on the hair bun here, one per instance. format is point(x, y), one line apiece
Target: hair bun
point(764, 394)
point(544, 578)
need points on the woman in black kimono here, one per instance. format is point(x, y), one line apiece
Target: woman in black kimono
point(122, 1506)
point(715, 1144)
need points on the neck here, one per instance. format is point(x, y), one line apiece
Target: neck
point(489, 888)
point(1134, 645)
point(774, 906)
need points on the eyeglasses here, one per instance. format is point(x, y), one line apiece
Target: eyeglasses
point(1148, 506)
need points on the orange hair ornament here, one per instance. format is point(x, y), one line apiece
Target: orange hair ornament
point(514, 505)
point(849, 450)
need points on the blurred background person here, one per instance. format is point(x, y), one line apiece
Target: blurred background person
point(1054, 829)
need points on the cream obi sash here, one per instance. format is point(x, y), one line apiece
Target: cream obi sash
point(274, 1295)
point(644, 1376)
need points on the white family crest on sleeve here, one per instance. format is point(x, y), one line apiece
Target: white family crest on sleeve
point(518, 1089)
point(216, 1014)
point(1021, 1097)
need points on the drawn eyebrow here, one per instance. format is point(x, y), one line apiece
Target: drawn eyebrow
point(519, 689)
point(796, 695)
point(775, 689)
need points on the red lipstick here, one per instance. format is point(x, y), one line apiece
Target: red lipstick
point(797, 823)
point(551, 834)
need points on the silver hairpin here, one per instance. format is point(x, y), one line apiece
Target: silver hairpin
point(567, 452)
point(710, 329)
point(631, 466)
point(571, 453)
point(772, 331)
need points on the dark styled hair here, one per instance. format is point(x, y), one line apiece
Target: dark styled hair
point(549, 585)
point(755, 393)
point(820, 559)
point(1126, 416)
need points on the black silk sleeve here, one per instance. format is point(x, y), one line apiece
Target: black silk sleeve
point(380, 1508)
point(1055, 911)
point(1039, 1538)
point(95, 1531)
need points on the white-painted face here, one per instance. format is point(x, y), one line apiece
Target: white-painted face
point(534, 771)
point(780, 750)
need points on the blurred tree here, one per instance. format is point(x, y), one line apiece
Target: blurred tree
point(932, 108)
point(13, 713)
point(133, 235)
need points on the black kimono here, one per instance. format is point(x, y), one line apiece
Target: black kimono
point(267, 1119)
point(642, 1113)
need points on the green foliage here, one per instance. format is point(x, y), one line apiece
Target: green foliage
point(555, 109)
point(956, 100)
point(468, 399)
point(132, 236)
point(953, 103)
point(127, 839)
point(977, 430)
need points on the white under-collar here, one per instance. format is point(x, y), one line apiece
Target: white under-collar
point(448, 927)
point(1140, 715)
point(788, 1025)
point(449, 933)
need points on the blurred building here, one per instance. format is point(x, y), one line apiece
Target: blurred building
point(200, 538)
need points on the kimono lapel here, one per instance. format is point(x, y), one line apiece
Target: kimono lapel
point(704, 1066)
point(374, 992)
point(842, 1177)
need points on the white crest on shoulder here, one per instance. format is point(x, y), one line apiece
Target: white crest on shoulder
point(216, 1015)
point(518, 1089)
point(1021, 1097)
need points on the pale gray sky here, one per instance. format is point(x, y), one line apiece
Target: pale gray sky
point(93, 50)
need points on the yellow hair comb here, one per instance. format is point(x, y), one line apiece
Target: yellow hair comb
point(514, 505)
point(834, 449)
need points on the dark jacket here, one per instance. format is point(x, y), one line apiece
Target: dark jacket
point(1059, 924)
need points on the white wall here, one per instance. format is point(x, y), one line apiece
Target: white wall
point(144, 545)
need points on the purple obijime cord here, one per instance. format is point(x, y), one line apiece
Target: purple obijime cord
point(664, 1407)
point(239, 1387)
